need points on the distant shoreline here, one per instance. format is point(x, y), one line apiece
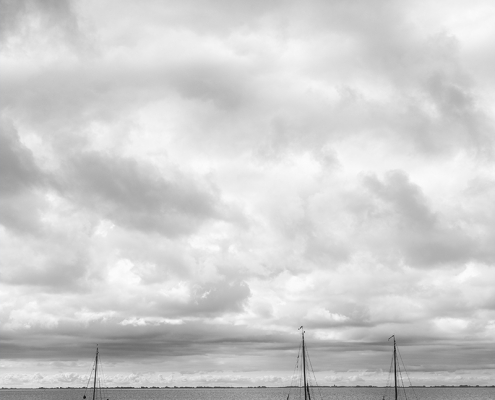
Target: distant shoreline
point(250, 387)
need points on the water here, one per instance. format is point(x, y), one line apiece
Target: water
point(248, 394)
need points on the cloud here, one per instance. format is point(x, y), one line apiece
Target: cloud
point(19, 169)
point(138, 196)
point(20, 182)
point(187, 184)
point(422, 238)
point(23, 21)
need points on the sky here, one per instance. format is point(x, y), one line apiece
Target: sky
point(187, 183)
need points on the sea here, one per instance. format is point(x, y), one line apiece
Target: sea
point(325, 393)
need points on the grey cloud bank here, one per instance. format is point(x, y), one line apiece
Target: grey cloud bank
point(188, 184)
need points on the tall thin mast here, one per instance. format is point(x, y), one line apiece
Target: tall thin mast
point(96, 372)
point(307, 396)
point(395, 366)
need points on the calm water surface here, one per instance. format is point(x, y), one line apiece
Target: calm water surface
point(248, 394)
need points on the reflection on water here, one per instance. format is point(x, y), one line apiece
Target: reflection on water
point(248, 394)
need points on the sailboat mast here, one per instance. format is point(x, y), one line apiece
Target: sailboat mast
point(395, 369)
point(307, 396)
point(96, 372)
point(304, 365)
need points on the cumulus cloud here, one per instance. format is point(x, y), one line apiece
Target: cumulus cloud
point(19, 169)
point(422, 240)
point(139, 197)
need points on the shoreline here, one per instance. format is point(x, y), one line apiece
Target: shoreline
point(250, 387)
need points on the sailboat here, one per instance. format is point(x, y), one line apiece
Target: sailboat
point(96, 390)
point(398, 378)
point(306, 374)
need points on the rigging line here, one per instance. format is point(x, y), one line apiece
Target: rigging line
point(89, 379)
point(103, 389)
point(407, 374)
point(402, 380)
point(302, 389)
point(387, 386)
point(100, 380)
point(300, 385)
point(314, 376)
point(298, 368)
point(293, 377)
point(316, 382)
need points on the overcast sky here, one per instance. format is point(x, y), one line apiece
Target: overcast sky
point(186, 183)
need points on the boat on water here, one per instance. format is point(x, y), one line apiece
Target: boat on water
point(306, 387)
point(94, 387)
point(398, 371)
